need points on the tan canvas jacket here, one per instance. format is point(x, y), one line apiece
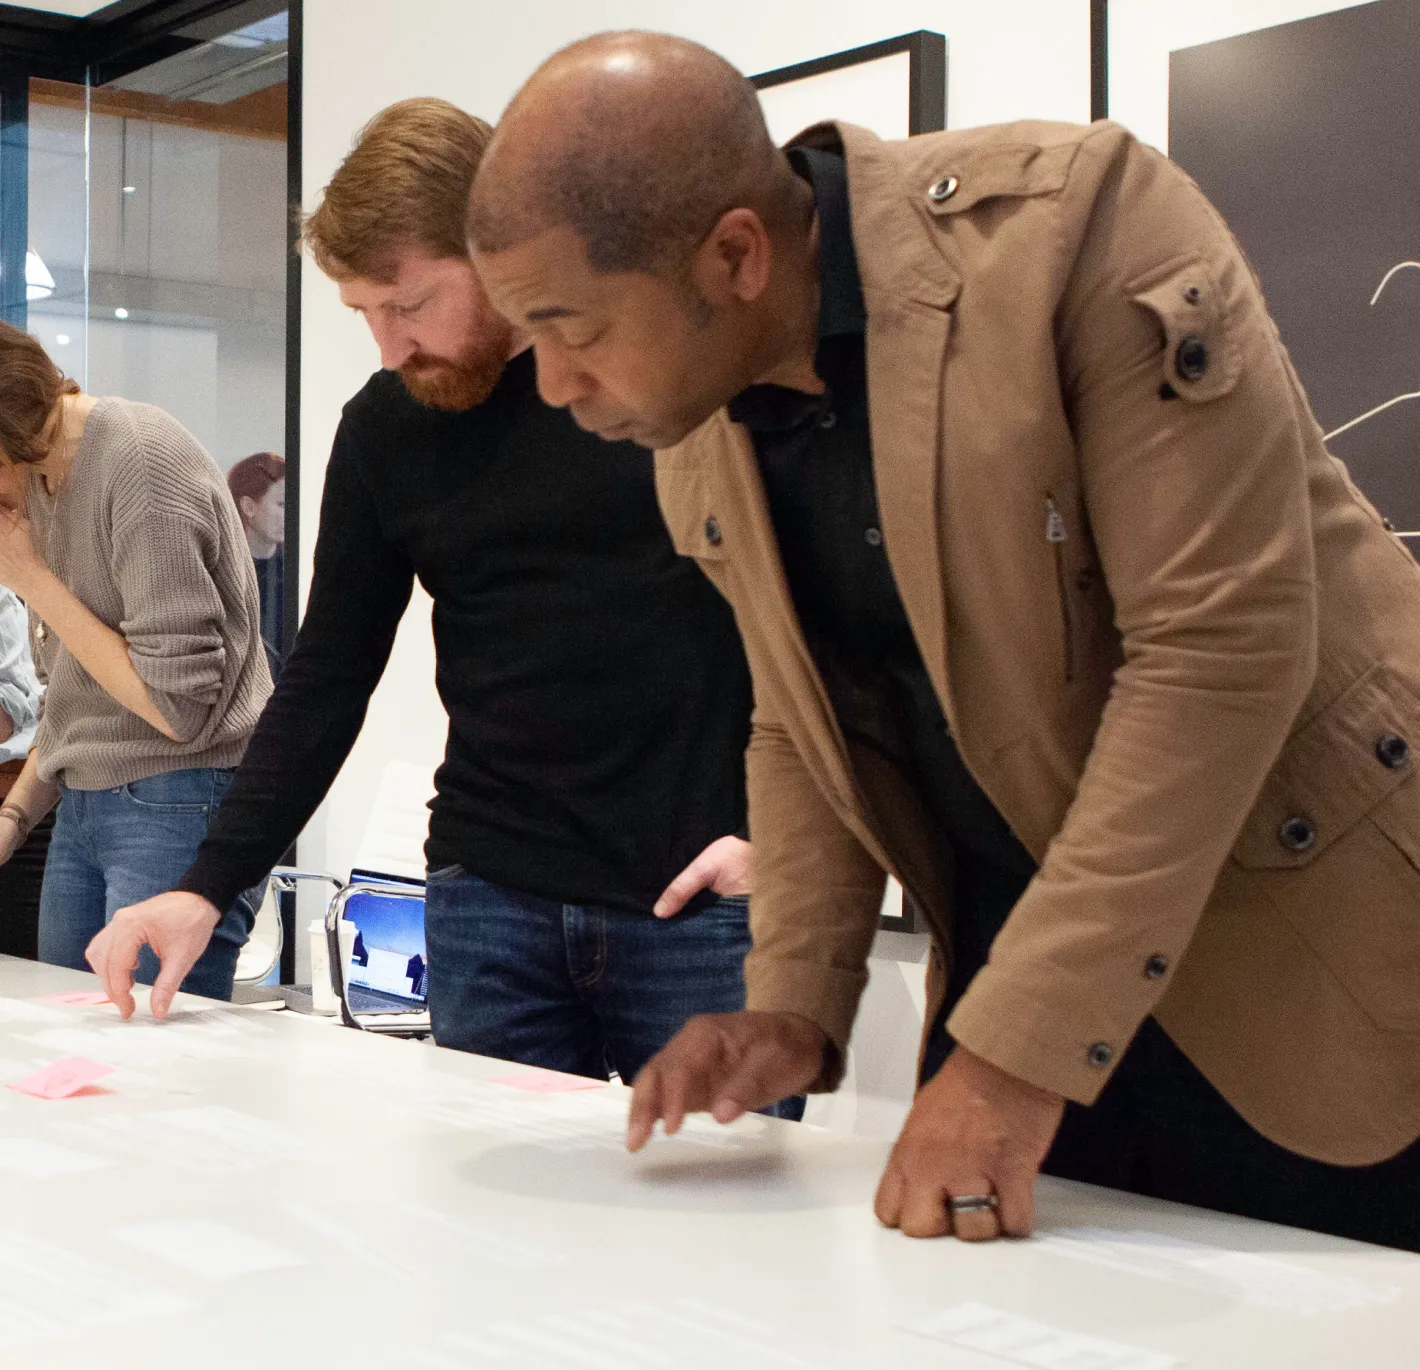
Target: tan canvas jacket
point(1176, 646)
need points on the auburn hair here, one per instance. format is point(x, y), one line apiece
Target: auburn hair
point(30, 389)
point(253, 476)
point(404, 184)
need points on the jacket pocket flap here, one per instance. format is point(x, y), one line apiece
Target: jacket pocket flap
point(1333, 772)
point(1200, 359)
point(1018, 171)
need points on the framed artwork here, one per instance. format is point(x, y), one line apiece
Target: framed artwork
point(1304, 134)
point(896, 88)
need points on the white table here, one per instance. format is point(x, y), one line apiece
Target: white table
point(251, 1189)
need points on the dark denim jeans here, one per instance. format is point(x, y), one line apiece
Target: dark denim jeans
point(577, 988)
point(112, 848)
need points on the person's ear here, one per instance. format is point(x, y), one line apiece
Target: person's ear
point(246, 507)
point(735, 260)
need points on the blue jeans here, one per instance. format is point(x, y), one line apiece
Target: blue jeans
point(112, 848)
point(575, 987)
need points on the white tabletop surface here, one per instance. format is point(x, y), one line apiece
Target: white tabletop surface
point(250, 1188)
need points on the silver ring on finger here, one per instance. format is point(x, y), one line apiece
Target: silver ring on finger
point(973, 1203)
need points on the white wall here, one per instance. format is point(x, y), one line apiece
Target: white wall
point(1009, 59)
point(1142, 33)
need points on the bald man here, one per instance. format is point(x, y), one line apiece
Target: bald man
point(1057, 608)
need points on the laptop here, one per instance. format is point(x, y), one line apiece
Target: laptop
point(381, 958)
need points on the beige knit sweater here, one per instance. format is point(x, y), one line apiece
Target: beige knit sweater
point(145, 533)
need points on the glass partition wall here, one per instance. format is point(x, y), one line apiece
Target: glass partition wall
point(158, 242)
point(145, 240)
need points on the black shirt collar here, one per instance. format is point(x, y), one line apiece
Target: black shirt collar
point(841, 309)
point(840, 289)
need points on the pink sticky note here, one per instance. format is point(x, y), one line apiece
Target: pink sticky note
point(62, 1078)
point(549, 1082)
point(75, 998)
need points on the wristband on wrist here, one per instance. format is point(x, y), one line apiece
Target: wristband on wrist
point(19, 818)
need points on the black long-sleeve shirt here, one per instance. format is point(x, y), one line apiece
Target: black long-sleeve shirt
point(597, 692)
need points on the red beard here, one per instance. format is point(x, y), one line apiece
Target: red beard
point(457, 383)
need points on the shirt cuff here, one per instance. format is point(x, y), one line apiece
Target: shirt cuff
point(206, 879)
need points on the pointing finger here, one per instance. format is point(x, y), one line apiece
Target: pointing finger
point(645, 1107)
point(113, 955)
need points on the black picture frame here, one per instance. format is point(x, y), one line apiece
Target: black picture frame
point(926, 81)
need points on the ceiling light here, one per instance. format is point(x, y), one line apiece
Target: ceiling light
point(62, 339)
point(39, 283)
point(130, 190)
point(277, 29)
point(120, 313)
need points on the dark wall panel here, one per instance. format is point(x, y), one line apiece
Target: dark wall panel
point(1307, 138)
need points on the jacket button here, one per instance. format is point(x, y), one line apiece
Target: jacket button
point(1392, 751)
point(1191, 359)
point(713, 535)
point(1100, 1055)
point(941, 191)
point(1297, 834)
point(1191, 294)
point(1156, 967)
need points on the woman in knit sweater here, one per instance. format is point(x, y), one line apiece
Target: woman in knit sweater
point(118, 532)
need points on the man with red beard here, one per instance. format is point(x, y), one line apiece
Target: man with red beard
point(587, 888)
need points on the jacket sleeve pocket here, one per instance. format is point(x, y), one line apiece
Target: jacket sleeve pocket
point(1200, 359)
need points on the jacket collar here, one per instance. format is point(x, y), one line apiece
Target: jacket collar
point(898, 254)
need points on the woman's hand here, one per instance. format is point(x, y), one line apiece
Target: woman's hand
point(20, 565)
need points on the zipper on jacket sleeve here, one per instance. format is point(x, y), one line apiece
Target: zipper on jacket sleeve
point(1055, 535)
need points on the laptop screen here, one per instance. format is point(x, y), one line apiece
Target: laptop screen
point(388, 967)
point(380, 878)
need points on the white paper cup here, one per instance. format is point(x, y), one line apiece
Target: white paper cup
point(323, 998)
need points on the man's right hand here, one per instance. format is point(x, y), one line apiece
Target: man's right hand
point(177, 925)
point(726, 1064)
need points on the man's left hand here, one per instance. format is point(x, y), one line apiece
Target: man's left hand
point(973, 1131)
point(725, 866)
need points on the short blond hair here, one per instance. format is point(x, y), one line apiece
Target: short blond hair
point(404, 184)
